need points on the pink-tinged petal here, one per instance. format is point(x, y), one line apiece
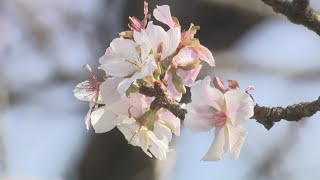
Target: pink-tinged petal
point(103, 121)
point(198, 118)
point(83, 92)
point(146, 70)
point(172, 91)
point(170, 46)
point(240, 106)
point(163, 14)
point(218, 147)
point(171, 121)
point(186, 55)
point(120, 107)
point(117, 67)
point(124, 48)
point(206, 55)
point(108, 90)
point(138, 104)
point(203, 94)
point(189, 77)
point(236, 138)
point(162, 132)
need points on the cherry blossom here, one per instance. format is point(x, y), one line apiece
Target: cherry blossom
point(210, 108)
point(127, 58)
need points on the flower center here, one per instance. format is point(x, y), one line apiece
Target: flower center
point(219, 119)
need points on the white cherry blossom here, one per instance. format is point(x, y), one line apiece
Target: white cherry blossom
point(224, 112)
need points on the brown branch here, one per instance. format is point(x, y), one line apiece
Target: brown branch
point(298, 12)
point(266, 116)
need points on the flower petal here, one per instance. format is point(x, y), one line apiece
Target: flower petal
point(158, 148)
point(163, 14)
point(117, 67)
point(172, 91)
point(142, 39)
point(144, 140)
point(218, 146)
point(236, 136)
point(206, 55)
point(124, 48)
point(186, 55)
point(198, 118)
point(170, 46)
point(162, 132)
point(146, 70)
point(240, 106)
point(203, 94)
point(156, 35)
point(108, 90)
point(102, 120)
point(130, 130)
point(82, 91)
point(189, 77)
point(171, 121)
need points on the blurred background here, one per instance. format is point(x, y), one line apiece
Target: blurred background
point(44, 44)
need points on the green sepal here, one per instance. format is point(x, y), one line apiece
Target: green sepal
point(178, 83)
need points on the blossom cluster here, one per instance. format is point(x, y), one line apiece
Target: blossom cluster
point(147, 54)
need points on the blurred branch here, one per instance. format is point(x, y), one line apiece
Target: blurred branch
point(298, 12)
point(266, 116)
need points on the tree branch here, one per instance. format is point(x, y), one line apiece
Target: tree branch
point(298, 12)
point(267, 116)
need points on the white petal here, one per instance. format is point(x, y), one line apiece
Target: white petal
point(171, 44)
point(158, 148)
point(163, 14)
point(124, 48)
point(156, 35)
point(198, 118)
point(108, 90)
point(83, 93)
point(108, 54)
point(203, 94)
point(117, 67)
point(146, 70)
point(171, 121)
point(102, 120)
point(87, 119)
point(144, 140)
point(130, 130)
point(218, 146)
point(142, 39)
point(162, 132)
point(240, 106)
point(236, 139)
